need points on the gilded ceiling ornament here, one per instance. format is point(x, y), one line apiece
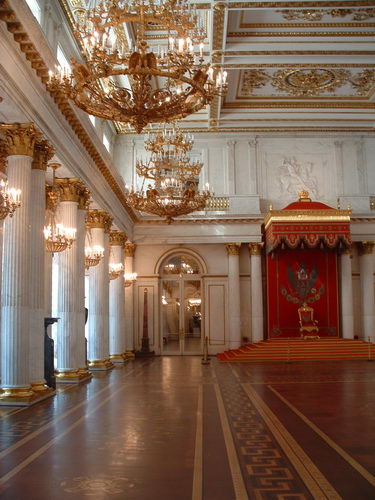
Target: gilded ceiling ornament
point(363, 82)
point(253, 79)
point(309, 82)
point(318, 14)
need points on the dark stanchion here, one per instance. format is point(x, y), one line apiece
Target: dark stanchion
point(49, 363)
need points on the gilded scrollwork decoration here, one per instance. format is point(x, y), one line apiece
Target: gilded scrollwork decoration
point(361, 14)
point(309, 82)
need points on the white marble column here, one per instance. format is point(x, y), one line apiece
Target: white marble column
point(231, 168)
point(253, 162)
point(69, 335)
point(43, 152)
point(366, 267)
point(255, 250)
point(83, 205)
point(15, 314)
point(117, 345)
point(233, 250)
point(129, 305)
point(99, 223)
point(347, 317)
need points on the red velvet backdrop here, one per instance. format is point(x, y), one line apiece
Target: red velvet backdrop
point(298, 276)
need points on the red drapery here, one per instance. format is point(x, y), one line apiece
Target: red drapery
point(295, 277)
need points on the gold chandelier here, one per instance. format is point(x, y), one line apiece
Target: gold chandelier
point(115, 270)
point(93, 255)
point(9, 200)
point(57, 237)
point(173, 190)
point(129, 279)
point(139, 86)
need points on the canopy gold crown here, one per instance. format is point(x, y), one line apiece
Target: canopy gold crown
point(303, 195)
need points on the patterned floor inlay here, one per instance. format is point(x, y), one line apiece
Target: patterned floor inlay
point(266, 469)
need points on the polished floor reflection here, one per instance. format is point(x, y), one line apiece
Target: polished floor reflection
point(171, 428)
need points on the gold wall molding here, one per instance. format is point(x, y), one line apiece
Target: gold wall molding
point(130, 249)
point(117, 238)
point(255, 248)
point(233, 248)
point(301, 4)
point(20, 138)
point(297, 34)
point(304, 104)
point(305, 25)
point(98, 219)
point(70, 189)
point(43, 153)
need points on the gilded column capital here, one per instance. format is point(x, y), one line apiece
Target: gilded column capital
point(69, 188)
point(43, 153)
point(98, 219)
point(117, 238)
point(233, 248)
point(130, 249)
point(84, 199)
point(366, 247)
point(255, 248)
point(347, 251)
point(52, 197)
point(20, 138)
point(3, 157)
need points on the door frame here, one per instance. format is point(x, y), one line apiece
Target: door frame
point(181, 279)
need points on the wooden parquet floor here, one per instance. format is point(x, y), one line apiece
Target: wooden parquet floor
point(172, 429)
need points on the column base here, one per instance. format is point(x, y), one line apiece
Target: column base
point(84, 371)
point(23, 396)
point(100, 365)
point(39, 387)
point(129, 354)
point(71, 376)
point(118, 358)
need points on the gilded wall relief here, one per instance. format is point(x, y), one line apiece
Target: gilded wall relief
point(308, 82)
point(319, 14)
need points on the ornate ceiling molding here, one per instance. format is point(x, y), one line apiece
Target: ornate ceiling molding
point(361, 14)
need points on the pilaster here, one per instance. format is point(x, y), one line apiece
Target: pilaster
point(366, 266)
point(347, 317)
point(255, 251)
point(130, 249)
point(233, 250)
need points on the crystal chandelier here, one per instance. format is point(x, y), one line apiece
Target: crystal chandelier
point(130, 278)
point(139, 85)
point(9, 200)
point(93, 255)
point(115, 270)
point(57, 237)
point(173, 190)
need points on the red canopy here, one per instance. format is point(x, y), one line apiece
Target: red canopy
point(309, 223)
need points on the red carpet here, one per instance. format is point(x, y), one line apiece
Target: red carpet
point(297, 349)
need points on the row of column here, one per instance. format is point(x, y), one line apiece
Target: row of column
point(234, 304)
point(366, 262)
point(27, 279)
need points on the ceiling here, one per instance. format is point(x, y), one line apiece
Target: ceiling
point(292, 66)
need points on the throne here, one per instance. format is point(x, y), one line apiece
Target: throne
point(306, 319)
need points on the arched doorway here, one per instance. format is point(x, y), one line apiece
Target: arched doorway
point(181, 305)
